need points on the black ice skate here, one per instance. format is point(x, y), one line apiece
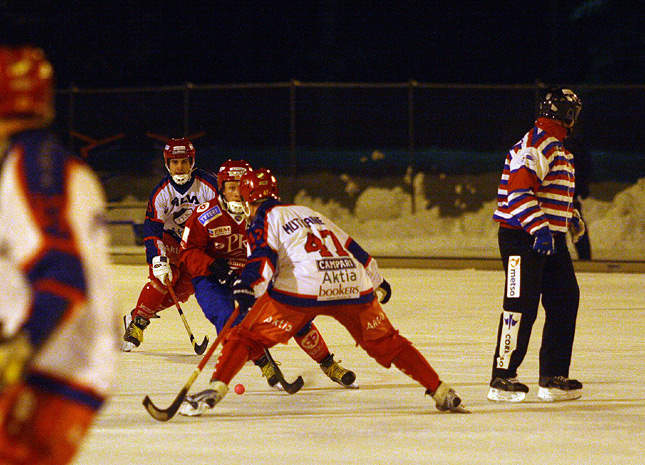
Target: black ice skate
point(507, 390)
point(337, 373)
point(558, 388)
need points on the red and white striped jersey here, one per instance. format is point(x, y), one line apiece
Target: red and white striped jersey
point(537, 182)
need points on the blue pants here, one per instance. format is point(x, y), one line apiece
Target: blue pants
point(217, 303)
point(215, 300)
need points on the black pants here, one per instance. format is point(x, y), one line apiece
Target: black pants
point(583, 246)
point(530, 276)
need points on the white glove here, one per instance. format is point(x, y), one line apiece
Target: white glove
point(577, 226)
point(161, 269)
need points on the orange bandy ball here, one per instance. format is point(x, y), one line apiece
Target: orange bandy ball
point(239, 389)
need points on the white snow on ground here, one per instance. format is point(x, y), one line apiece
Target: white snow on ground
point(383, 224)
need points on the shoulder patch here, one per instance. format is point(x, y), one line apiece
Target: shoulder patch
point(209, 215)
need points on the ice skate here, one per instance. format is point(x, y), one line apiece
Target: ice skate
point(558, 388)
point(196, 404)
point(507, 390)
point(127, 346)
point(133, 336)
point(447, 400)
point(270, 372)
point(337, 373)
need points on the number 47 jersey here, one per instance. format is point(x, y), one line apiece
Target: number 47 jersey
point(304, 259)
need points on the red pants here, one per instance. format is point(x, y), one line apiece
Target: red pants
point(270, 322)
point(39, 428)
point(155, 297)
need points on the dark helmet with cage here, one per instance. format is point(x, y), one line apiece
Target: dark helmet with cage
point(561, 104)
point(177, 149)
point(258, 185)
point(231, 170)
point(26, 84)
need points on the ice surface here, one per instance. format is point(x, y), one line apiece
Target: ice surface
point(451, 316)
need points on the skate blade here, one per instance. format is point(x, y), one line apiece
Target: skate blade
point(188, 409)
point(498, 395)
point(459, 409)
point(347, 386)
point(127, 346)
point(557, 395)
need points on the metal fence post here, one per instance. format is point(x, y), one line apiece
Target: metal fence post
point(411, 142)
point(292, 135)
point(187, 87)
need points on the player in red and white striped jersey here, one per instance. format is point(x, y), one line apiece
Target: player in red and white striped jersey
point(535, 211)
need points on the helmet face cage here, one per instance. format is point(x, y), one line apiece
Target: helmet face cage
point(258, 185)
point(231, 170)
point(177, 149)
point(560, 103)
point(26, 83)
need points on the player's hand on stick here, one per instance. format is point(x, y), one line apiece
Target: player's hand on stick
point(577, 226)
point(543, 242)
point(161, 268)
point(222, 272)
point(384, 292)
point(243, 295)
point(15, 353)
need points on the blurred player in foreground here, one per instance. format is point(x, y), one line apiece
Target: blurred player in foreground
point(301, 265)
point(170, 205)
point(535, 211)
point(213, 250)
point(59, 330)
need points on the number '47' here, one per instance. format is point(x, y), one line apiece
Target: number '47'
point(316, 244)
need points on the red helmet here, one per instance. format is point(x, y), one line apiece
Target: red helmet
point(179, 148)
point(257, 185)
point(26, 83)
point(231, 170)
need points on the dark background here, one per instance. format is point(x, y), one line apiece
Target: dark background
point(150, 43)
point(123, 71)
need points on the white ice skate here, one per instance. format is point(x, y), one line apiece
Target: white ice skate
point(196, 404)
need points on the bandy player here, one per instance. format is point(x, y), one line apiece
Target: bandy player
point(301, 265)
point(170, 205)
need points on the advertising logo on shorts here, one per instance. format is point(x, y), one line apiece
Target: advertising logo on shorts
point(513, 277)
point(508, 341)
